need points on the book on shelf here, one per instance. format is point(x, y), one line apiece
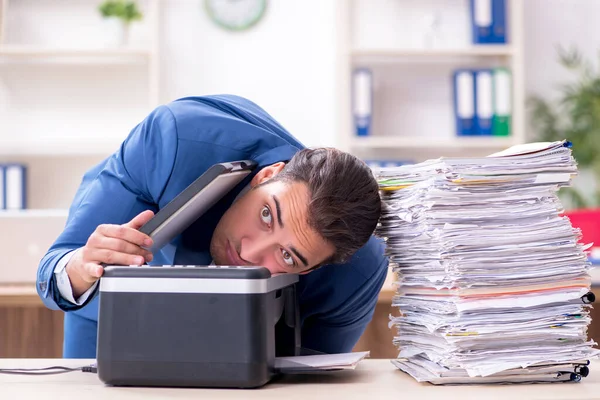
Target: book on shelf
point(13, 186)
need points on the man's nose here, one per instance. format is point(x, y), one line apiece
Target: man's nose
point(253, 250)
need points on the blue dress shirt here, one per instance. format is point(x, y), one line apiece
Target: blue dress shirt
point(161, 156)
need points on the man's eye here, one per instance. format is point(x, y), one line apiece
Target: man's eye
point(265, 215)
point(287, 257)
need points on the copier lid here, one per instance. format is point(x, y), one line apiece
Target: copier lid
point(193, 279)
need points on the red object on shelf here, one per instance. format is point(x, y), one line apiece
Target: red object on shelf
point(588, 220)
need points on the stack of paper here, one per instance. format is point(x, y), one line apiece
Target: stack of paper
point(493, 283)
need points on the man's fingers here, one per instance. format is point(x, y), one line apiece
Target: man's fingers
point(111, 257)
point(140, 219)
point(92, 272)
point(126, 233)
point(123, 246)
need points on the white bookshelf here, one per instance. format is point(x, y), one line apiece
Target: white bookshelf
point(58, 147)
point(68, 101)
point(412, 101)
point(417, 143)
point(117, 55)
point(474, 51)
point(61, 213)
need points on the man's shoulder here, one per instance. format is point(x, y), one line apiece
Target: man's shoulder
point(223, 123)
point(227, 109)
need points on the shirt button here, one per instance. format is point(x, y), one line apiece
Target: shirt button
point(43, 286)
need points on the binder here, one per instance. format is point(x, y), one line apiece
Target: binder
point(377, 164)
point(362, 106)
point(488, 21)
point(498, 33)
point(481, 21)
point(15, 186)
point(464, 102)
point(2, 188)
point(483, 101)
point(501, 121)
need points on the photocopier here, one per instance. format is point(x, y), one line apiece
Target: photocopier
point(195, 326)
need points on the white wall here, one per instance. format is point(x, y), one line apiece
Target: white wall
point(549, 23)
point(285, 63)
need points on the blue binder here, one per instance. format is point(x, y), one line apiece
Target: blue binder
point(376, 164)
point(2, 188)
point(498, 21)
point(484, 101)
point(488, 21)
point(15, 184)
point(362, 100)
point(464, 102)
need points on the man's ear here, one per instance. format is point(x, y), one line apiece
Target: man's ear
point(267, 173)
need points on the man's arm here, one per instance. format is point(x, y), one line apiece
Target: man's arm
point(125, 184)
point(339, 330)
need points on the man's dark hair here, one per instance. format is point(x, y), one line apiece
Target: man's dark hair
point(345, 205)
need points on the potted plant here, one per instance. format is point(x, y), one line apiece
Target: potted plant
point(120, 14)
point(575, 117)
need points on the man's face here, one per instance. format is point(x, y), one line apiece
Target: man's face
point(268, 227)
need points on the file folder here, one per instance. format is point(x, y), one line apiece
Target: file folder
point(484, 101)
point(464, 102)
point(488, 21)
point(2, 188)
point(481, 21)
point(362, 107)
point(502, 82)
point(15, 186)
point(498, 33)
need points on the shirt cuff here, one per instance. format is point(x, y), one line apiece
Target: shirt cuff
point(64, 284)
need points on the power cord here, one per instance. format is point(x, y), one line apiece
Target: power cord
point(48, 370)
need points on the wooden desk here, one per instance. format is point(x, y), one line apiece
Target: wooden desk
point(373, 379)
point(21, 295)
point(27, 327)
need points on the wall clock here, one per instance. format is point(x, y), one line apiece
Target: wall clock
point(235, 15)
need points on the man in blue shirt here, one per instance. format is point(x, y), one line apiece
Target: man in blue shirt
point(305, 211)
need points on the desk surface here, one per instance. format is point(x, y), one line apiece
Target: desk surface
point(372, 379)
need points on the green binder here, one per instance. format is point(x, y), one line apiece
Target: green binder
point(502, 94)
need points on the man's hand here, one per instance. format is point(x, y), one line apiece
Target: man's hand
point(111, 245)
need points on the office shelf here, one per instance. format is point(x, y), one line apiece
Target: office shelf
point(474, 51)
point(61, 147)
point(412, 92)
point(45, 52)
point(35, 213)
point(376, 142)
point(47, 109)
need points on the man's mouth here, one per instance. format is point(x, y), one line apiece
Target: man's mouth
point(232, 256)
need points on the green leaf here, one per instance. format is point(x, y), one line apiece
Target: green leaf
point(574, 116)
point(125, 10)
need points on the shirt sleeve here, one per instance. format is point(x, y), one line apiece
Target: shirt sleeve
point(125, 184)
point(64, 283)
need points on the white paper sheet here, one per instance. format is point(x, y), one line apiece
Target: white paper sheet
point(320, 362)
